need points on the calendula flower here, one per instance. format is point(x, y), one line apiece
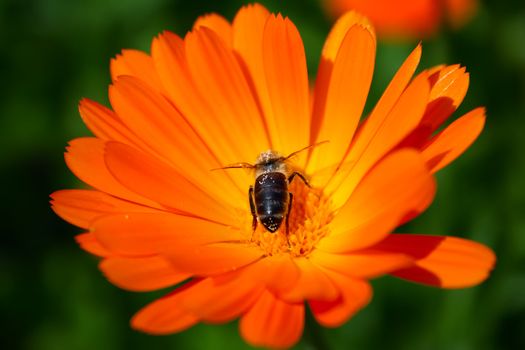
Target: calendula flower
point(158, 216)
point(407, 18)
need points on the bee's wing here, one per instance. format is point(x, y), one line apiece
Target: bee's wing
point(242, 179)
point(294, 154)
point(241, 165)
point(335, 172)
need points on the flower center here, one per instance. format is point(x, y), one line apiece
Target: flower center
point(310, 214)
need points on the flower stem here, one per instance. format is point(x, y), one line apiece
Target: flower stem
point(313, 334)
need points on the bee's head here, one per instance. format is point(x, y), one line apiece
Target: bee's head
point(270, 161)
point(268, 157)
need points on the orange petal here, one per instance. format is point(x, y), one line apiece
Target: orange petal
point(355, 294)
point(137, 64)
point(339, 31)
point(362, 264)
point(169, 55)
point(154, 119)
point(380, 134)
point(165, 315)
point(105, 124)
point(340, 99)
point(312, 284)
point(150, 116)
point(277, 273)
point(215, 129)
point(82, 207)
point(217, 302)
point(449, 144)
point(446, 262)
point(248, 30)
point(398, 186)
point(139, 234)
point(272, 323)
point(159, 182)
point(393, 92)
point(218, 24)
point(85, 158)
point(206, 300)
point(235, 118)
point(213, 259)
point(141, 274)
point(332, 46)
point(287, 80)
point(90, 244)
point(449, 87)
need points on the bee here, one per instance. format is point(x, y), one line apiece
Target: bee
point(269, 197)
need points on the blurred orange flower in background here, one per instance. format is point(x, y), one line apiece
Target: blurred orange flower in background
point(157, 215)
point(407, 18)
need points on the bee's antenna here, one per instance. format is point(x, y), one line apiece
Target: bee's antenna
point(236, 166)
point(305, 148)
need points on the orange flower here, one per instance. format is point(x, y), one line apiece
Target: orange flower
point(407, 18)
point(158, 216)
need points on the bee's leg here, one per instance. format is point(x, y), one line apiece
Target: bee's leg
point(252, 209)
point(287, 217)
point(294, 174)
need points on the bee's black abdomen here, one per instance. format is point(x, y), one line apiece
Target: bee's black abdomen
point(271, 222)
point(271, 199)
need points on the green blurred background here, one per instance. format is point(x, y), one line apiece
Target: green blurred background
point(52, 295)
